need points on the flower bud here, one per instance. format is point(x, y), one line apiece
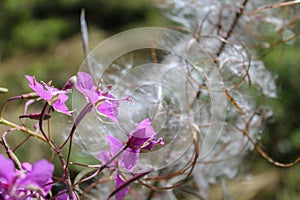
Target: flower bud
point(70, 83)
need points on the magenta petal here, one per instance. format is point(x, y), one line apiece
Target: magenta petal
point(114, 144)
point(84, 81)
point(142, 136)
point(7, 169)
point(129, 158)
point(40, 175)
point(50, 95)
point(26, 166)
point(60, 106)
point(38, 88)
point(85, 85)
point(104, 156)
point(143, 124)
point(123, 192)
point(109, 109)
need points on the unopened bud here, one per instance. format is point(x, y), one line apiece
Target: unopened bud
point(70, 83)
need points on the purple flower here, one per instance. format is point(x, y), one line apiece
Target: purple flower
point(115, 146)
point(127, 159)
point(85, 85)
point(55, 97)
point(105, 103)
point(32, 181)
point(109, 108)
point(142, 137)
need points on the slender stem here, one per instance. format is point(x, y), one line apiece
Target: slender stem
point(277, 5)
point(78, 119)
point(20, 144)
point(9, 152)
point(23, 96)
point(64, 164)
point(103, 166)
point(81, 115)
point(113, 158)
point(43, 112)
point(5, 104)
point(23, 129)
point(234, 23)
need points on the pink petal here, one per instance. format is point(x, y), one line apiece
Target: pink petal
point(115, 144)
point(104, 156)
point(85, 85)
point(38, 88)
point(40, 175)
point(84, 81)
point(109, 109)
point(115, 147)
point(60, 106)
point(143, 135)
point(129, 158)
point(122, 193)
point(7, 169)
point(48, 93)
point(26, 166)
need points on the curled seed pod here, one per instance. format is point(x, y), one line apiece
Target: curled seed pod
point(70, 83)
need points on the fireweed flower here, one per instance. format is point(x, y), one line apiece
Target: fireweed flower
point(105, 103)
point(127, 159)
point(142, 137)
point(55, 97)
point(32, 181)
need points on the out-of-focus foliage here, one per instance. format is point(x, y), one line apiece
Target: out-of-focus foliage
point(283, 138)
point(34, 25)
point(32, 34)
point(42, 37)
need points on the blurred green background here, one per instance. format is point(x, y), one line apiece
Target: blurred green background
point(42, 38)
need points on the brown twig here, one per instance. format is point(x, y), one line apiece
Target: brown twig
point(234, 23)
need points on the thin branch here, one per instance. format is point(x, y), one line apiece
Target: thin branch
point(233, 25)
point(278, 5)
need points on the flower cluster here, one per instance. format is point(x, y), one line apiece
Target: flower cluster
point(35, 181)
